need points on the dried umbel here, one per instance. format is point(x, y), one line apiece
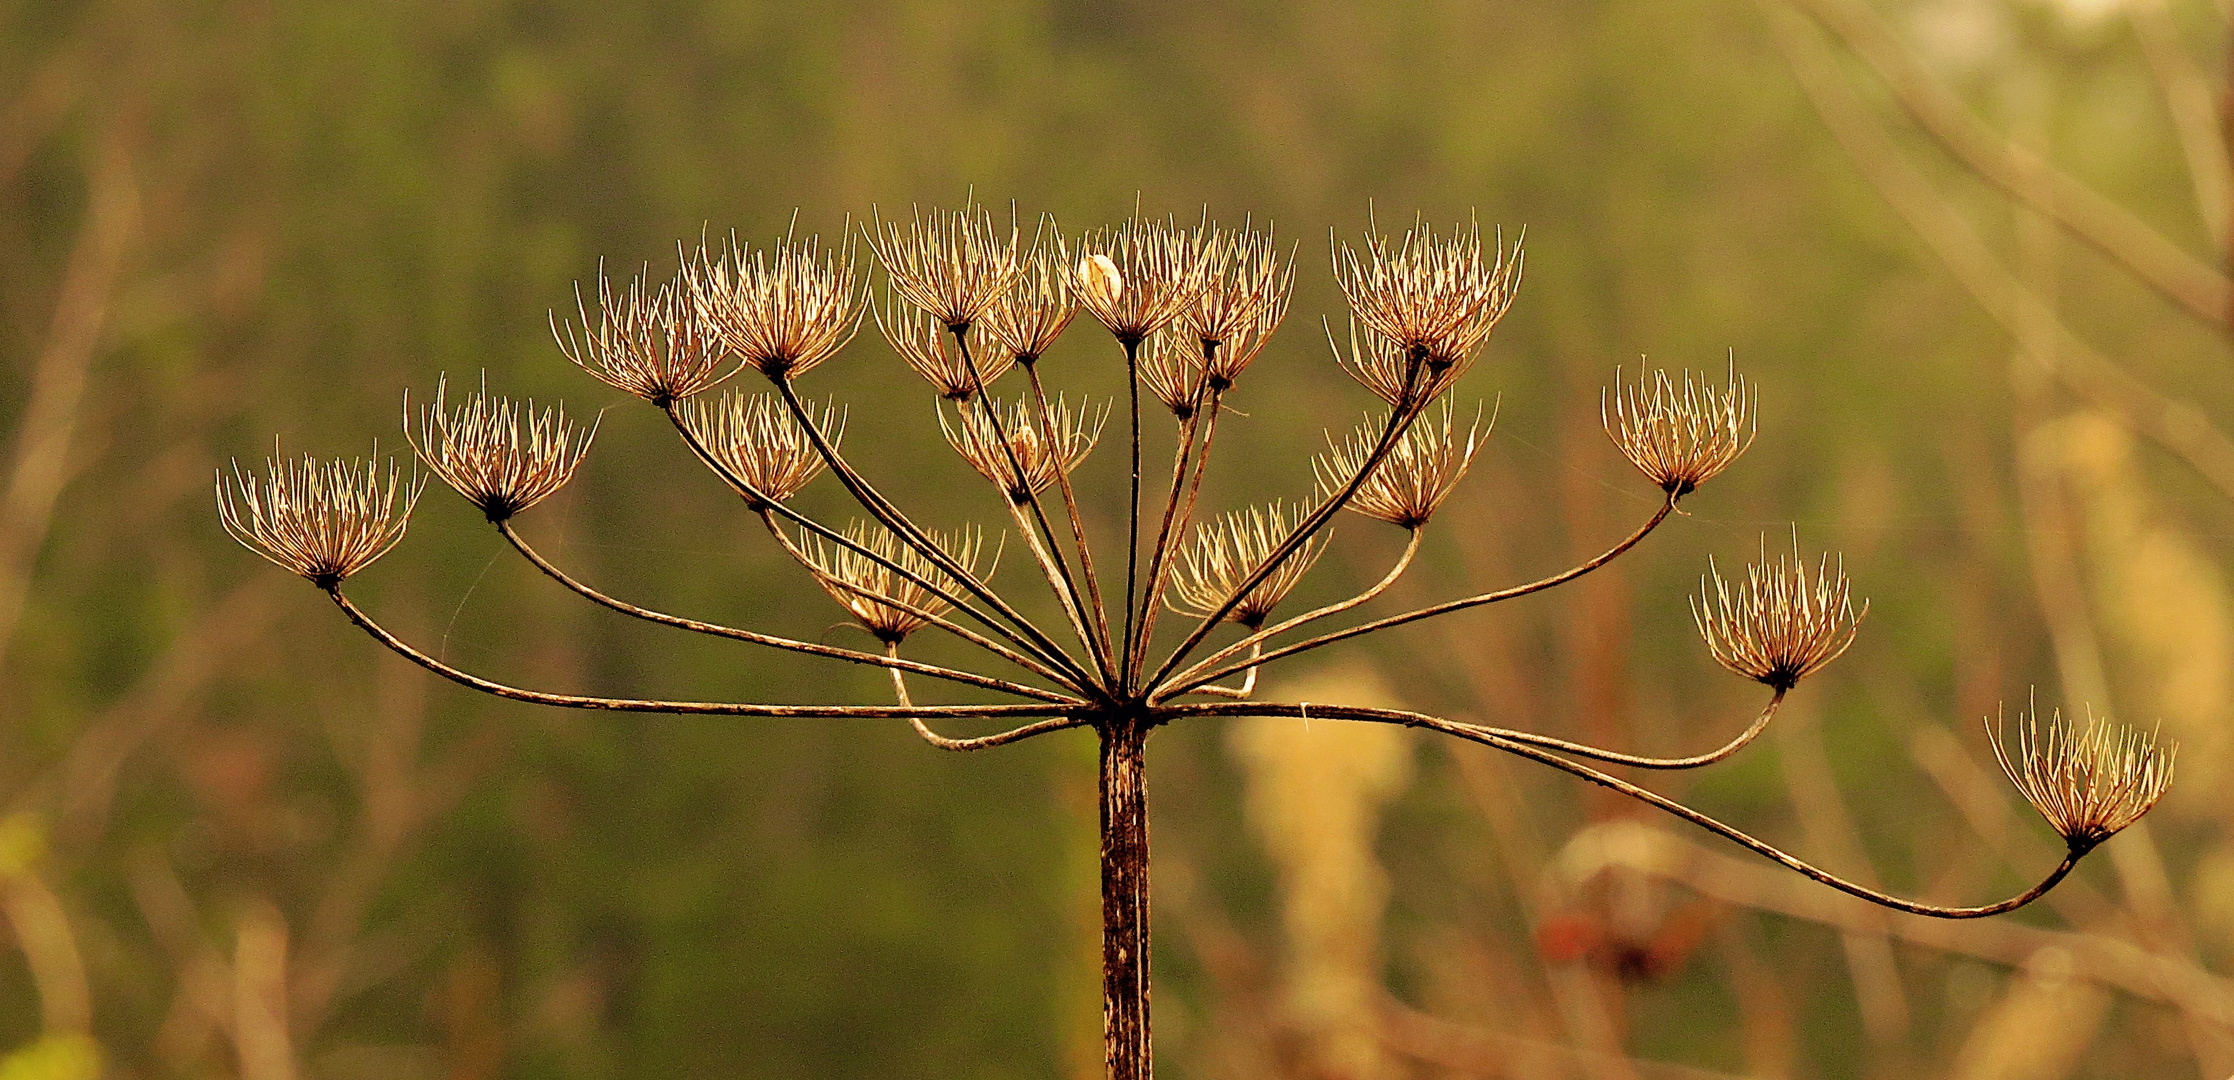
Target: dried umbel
point(501, 455)
point(655, 343)
point(1138, 277)
point(1382, 366)
point(981, 442)
point(756, 439)
point(2088, 784)
point(883, 601)
point(1244, 297)
point(781, 312)
point(1038, 305)
point(1783, 622)
point(936, 354)
point(1171, 369)
point(324, 520)
point(1227, 550)
point(951, 263)
point(1679, 437)
point(1435, 301)
point(1414, 478)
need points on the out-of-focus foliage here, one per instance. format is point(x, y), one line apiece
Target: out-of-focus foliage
point(241, 841)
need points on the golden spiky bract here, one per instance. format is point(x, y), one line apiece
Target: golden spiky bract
point(503, 456)
point(1038, 305)
point(987, 446)
point(1383, 367)
point(323, 520)
point(1782, 623)
point(933, 351)
point(866, 587)
point(1171, 368)
point(1139, 276)
point(1413, 479)
point(953, 264)
point(1679, 438)
point(2088, 784)
point(655, 343)
point(780, 312)
point(1244, 297)
point(1226, 550)
point(1434, 301)
point(756, 438)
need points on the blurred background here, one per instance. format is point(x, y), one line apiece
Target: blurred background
point(1971, 251)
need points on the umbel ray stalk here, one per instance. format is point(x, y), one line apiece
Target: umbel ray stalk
point(1190, 309)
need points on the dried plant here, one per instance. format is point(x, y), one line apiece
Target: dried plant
point(2088, 784)
point(1203, 301)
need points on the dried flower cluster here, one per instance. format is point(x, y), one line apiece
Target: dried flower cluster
point(965, 307)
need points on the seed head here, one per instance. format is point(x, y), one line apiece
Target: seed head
point(655, 343)
point(782, 312)
point(1435, 301)
point(951, 263)
point(1227, 550)
point(324, 520)
point(501, 455)
point(1138, 277)
point(1171, 367)
point(928, 347)
point(756, 438)
point(1413, 479)
point(973, 436)
point(1781, 624)
point(2088, 784)
point(1382, 366)
point(868, 588)
point(1028, 318)
point(1244, 297)
point(1679, 439)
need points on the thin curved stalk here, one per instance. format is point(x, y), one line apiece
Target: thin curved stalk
point(1460, 604)
point(1614, 757)
point(1136, 649)
point(1650, 798)
point(1028, 663)
point(900, 691)
point(1238, 693)
point(761, 500)
point(1077, 524)
point(834, 652)
point(1132, 507)
point(891, 518)
point(680, 708)
point(1255, 642)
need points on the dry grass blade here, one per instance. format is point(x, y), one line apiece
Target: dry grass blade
point(323, 520)
point(755, 438)
point(2088, 784)
point(876, 595)
point(1038, 305)
point(952, 264)
point(1244, 297)
point(1679, 438)
point(654, 343)
point(1138, 277)
point(1227, 550)
point(975, 437)
point(1435, 300)
point(781, 313)
point(1412, 481)
point(924, 342)
point(1171, 368)
point(1782, 623)
point(503, 456)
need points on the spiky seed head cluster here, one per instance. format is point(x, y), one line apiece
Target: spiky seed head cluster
point(782, 311)
point(1382, 366)
point(977, 439)
point(953, 264)
point(1783, 623)
point(1435, 301)
point(1244, 297)
point(756, 438)
point(928, 347)
point(1228, 549)
point(878, 597)
point(1679, 437)
point(653, 342)
point(323, 520)
point(1038, 305)
point(1138, 277)
point(1413, 478)
point(2087, 784)
point(1171, 368)
point(501, 455)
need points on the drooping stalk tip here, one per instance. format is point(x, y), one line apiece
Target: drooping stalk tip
point(1679, 438)
point(321, 520)
point(502, 456)
point(2088, 784)
point(1782, 623)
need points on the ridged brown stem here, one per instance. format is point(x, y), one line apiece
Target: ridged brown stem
point(1132, 507)
point(1667, 507)
point(1100, 611)
point(685, 708)
point(891, 518)
point(1136, 649)
point(891, 661)
point(1124, 898)
point(1650, 798)
point(767, 506)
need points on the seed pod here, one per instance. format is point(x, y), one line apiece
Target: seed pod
point(1782, 623)
point(501, 455)
point(323, 520)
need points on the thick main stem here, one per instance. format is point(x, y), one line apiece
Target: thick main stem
point(1124, 899)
